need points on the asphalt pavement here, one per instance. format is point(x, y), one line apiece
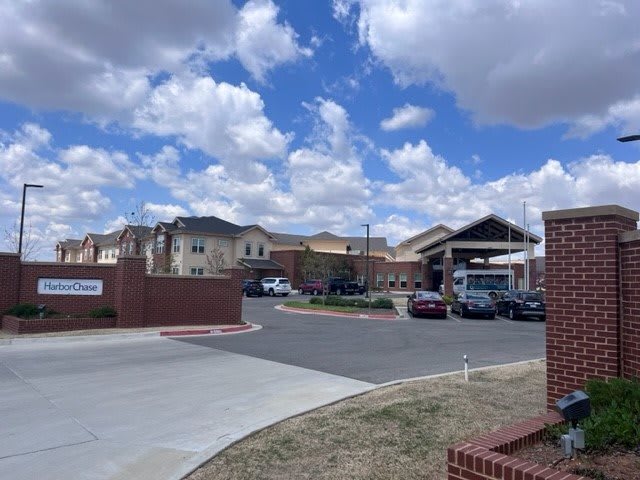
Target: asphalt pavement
point(152, 407)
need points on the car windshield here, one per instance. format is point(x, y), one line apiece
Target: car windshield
point(477, 296)
point(532, 297)
point(427, 296)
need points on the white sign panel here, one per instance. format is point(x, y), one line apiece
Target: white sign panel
point(69, 286)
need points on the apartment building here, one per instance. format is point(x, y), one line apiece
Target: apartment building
point(327, 242)
point(205, 245)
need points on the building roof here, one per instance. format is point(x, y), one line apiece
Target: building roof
point(99, 239)
point(289, 239)
point(378, 244)
point(326, 236)
point(70, 243)
point(408, 241)
point(261, 264)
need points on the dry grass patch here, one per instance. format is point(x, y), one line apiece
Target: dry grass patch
point(395, 432)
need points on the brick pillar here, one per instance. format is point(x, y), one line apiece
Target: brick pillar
point(427, 277)
point(234, 307)
point(10, 268)
point(531, 268)
point(583, 290)
point(447, 268)
point(130, 291)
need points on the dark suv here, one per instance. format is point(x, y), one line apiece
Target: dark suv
point(312, 287)
point(340, 286)
point(252, 288)
point(521, 303)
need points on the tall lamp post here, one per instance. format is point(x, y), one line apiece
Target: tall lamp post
point(24, 194)
point(366, 283)
point(629, 138)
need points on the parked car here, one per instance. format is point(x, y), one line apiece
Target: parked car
point(340, 286)
point(470, 303)
point(312, 287)
point(521, 303)
point(426, 303)
point(276, 286)
point(252, 288)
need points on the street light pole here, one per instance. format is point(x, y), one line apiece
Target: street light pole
point(366, 283)
point(24, 194)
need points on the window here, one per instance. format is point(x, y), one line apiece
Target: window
point(196, 270)
point(100, 252)
point(379, 280)
point(67, 256)
point(197, 245)
point(417, 280)
point(392, 280)
point(113, 252)
point(403, 280)
point(79, 257)
point(160, 244)
point(175, 245)
point(223, 243)
point(131, 248)
point(247, 249)
point(175, 271)
point(261, 249)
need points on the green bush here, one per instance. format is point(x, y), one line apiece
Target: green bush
point(316, 301)
point(24, 310)
point(615, 414)
point(448, 299)
point(103, 312)
point(382, 303)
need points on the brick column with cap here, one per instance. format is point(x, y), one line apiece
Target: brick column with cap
point(582, 269)
point(130, 291)
point(10, 266)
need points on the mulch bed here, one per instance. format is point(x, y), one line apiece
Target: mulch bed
point(611, 465)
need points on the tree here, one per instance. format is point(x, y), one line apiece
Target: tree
point(30, 243)
point(141, 216)
point(309, 263)
point(216, 262)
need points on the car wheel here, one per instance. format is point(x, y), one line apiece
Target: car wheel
point(443, 317)
point(315, 292)
point(461, 311)
point(543, 318)
point(338, 291)
point(409, 308)
point(272, 293)
point(493, 295)
point(512, 314)
point(300, 291)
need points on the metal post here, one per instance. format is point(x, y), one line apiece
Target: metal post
point(466, 368)
point(24, 194)
point(524, 227)
point(366, 283)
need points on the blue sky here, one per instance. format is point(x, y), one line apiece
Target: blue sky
point(305, 116)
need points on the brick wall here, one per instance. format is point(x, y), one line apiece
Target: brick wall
point(584, 335)
point(488, 457)
point(140, 299)
point(630, 324)
point(17, 325)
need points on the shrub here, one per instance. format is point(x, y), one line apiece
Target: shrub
point(23, 310)
point(382, 303)
point(316, 301)
point(448, 299)
point(615, 413)
point(103, 312)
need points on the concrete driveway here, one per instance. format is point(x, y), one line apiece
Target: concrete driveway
point(150, 408)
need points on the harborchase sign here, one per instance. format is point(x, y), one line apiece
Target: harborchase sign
point(69, 286)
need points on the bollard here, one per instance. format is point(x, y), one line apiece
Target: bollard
point(466, 368)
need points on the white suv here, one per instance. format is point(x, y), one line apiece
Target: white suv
point(276, 286)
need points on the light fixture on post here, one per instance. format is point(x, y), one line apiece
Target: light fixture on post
point(366, 281)
point(629, 138)
point(24, 194)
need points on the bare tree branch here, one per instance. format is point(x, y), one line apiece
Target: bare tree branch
point(215, 261)
point(30, 243)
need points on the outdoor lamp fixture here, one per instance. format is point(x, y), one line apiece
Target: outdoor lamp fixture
point(574, 407)
point(24, 194)
point(629, 138)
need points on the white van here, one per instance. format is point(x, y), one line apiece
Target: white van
point(493, 282)
point(276, 286)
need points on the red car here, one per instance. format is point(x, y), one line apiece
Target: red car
point(312, 287)
point(426, 303)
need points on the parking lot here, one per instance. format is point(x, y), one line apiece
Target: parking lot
point(378, 351)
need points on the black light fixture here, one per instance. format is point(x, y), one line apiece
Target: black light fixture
point(629, 138)
point(24, 194)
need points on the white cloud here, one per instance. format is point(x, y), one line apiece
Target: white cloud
point(99, 58)
point(624, 115)
point(497, 56)
point(396, 228)
point(408, 116)
point(223, 120)
point(262, 43)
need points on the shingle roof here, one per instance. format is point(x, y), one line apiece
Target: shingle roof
point(70, 243)
point(289, 239)
point(261, 264)
point(104, 239)
point(326, 236)
point(212, 225)
point(139, 231)
point(360, 243)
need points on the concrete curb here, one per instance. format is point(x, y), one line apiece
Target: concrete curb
point(329, 313)
point(250, 327)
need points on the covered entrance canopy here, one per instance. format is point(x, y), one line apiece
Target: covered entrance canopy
point(262, 267)
point(489, 237)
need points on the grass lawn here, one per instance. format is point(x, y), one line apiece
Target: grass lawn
point(400, 431)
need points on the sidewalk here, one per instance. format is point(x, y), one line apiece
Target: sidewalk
point(116, 333)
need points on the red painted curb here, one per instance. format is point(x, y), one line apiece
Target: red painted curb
point(340, 314)
point(208, 331)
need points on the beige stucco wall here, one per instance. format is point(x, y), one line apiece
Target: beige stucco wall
point(406, 253)
point(328, 246)
point(255, 236)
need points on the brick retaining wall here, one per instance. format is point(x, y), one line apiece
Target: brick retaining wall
point(17, 325)
point(140, 299)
